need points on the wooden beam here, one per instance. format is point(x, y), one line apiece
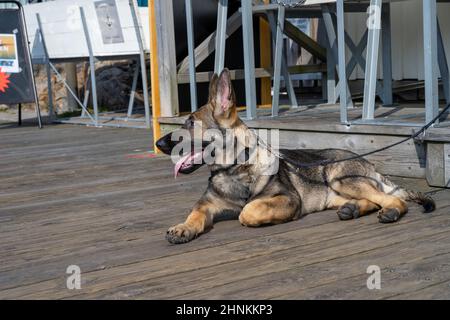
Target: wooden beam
point(165, 32)
point(303, 40)
point(238, 74)
point(265, 55)
point(154, 75)
point(438, 164)
point(308, 68)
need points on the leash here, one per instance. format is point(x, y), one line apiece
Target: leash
point(328, 162)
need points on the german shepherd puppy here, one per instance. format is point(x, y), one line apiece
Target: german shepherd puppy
point(352, 187)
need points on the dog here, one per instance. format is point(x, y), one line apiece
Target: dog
point(353, 187)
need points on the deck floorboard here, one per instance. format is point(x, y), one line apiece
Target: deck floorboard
point(100, 199)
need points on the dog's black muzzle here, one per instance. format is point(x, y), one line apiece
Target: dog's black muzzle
point(166, 144)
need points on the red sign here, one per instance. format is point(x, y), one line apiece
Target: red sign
point(4, 81)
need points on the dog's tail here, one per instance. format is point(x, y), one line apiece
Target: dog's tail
point(422, 199)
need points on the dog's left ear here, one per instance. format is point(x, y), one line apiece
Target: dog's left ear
point(225, 100)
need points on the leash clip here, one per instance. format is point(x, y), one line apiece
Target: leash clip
point(420, 138)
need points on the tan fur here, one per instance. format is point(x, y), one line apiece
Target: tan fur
point(364, 206)
point(272, 210)
point(365, 190)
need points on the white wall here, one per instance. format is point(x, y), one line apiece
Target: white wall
point(63, 29)
point(407, 37)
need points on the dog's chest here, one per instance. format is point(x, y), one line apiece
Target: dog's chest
point(232, 186)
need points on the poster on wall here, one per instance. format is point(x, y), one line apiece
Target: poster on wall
point(108, 19)
point(9, 61)
point(16, 72)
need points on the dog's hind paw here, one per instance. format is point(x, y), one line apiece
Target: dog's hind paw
point(348, 211)
point(388, 215)
point(180, 233)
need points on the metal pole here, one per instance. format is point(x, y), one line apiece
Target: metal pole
point(47, 69)
point(330, 26)
point(30, 65)
point(331, 76)
point(221, 31)
point(370, 76)
point(288, 81)
point(191, 52)
point(133, 90)
point(387, 53)
point(284, 66)
point(142, 62)
point(92, 65)
point(85, 102)
point(356, 56)
point(341, 59)
point(265, 58)
point(443, 66)
point(60, 78)
point(277, 60)
point(19, 114)
point(249, 58)
point(430, 59)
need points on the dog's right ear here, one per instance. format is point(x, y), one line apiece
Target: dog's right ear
point(213, 88)
point(222, 95)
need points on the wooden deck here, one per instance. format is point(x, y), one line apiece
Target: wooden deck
point(96, 198)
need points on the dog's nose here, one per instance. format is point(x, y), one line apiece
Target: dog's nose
point(164, 145)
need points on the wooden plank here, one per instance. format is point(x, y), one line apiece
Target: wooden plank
point(446, 165)
point(397, 279)
point(224, 254)
point(268, 254)
point(238, 74)
point(435, 170)
point(435, 291)
point(167, 60)
point(326, 118)
point(407, 159)
point(300, 280)
point(154, 74)
point(72, 195)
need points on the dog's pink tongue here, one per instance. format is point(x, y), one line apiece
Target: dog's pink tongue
point(180, 163)
point(189, 158)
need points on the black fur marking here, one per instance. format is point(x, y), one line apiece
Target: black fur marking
point(228, 186)
point(428, 205)
point(227, 214)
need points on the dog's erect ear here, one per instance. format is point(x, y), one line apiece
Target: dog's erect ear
point(213, 88)
point(222, 94)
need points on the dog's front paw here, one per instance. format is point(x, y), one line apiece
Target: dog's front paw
point(180, 233)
